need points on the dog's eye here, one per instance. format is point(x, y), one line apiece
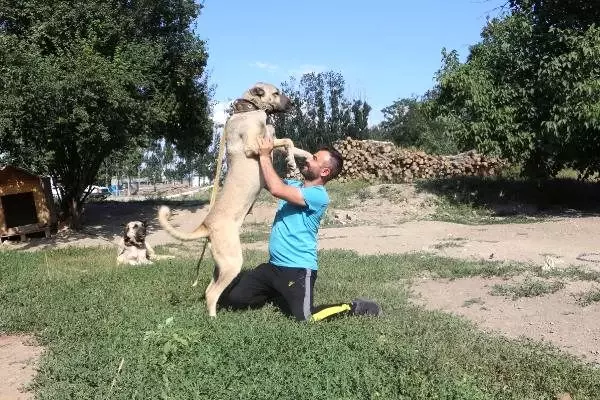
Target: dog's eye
point(275, 93)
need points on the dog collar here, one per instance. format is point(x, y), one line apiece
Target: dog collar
point(243, 105)
point(128, 241)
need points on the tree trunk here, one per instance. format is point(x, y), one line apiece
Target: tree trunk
point(76, 211)
point(72, 210)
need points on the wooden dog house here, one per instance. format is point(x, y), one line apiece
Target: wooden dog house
point(26, 203)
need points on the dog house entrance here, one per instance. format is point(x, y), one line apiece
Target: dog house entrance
point(19, 209)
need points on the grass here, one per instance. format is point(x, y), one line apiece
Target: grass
point(389, 192)
point(528, 288)
point(587, 298)
point(341, 194)
point(473, 214)
point(454, 242)
point(90, 315)
point(255, 233)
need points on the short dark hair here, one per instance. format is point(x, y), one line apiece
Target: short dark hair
point(336, 162)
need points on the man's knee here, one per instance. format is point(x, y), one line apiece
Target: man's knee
point(239, 298)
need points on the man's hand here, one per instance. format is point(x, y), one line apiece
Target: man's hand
point(265, 146)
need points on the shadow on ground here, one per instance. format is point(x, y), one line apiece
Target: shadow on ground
point(519, 197)
point(105, 220)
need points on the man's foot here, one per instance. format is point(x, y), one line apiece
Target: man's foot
point(365, 307)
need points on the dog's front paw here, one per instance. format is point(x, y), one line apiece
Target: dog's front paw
point(293, 171)
point(291, 162)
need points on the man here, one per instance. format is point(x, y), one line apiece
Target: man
point(288, 278)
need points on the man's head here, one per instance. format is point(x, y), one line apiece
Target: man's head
point(325, 165)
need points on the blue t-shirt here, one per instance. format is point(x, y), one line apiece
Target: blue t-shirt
point(293, 240)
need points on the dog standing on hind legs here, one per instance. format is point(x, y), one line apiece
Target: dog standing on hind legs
point(242, 184)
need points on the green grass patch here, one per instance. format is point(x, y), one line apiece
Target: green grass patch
point(528, 288)
point(91, 314)
point(444, 244)
point(573, 273)
point(587, 298)
point(255, 233)
point(472, 214)
point(341, 194)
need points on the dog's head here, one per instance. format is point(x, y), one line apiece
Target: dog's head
point(134, 233)
point(268, 98)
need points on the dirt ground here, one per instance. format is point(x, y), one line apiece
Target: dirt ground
point(554, 318)
point(18, 356)
point(378, 225)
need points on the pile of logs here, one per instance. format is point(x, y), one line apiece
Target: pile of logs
point(379, 161)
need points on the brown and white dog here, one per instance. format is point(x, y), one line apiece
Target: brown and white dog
point(133, 247)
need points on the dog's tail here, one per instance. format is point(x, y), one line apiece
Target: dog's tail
point(163, 218)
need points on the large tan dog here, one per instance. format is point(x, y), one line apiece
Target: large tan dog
point(242, 184)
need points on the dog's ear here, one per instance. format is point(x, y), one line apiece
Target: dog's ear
point(257, 91)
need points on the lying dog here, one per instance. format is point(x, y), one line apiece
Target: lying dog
point(242, 184)
point(133, 247)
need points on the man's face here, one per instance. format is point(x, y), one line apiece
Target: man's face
point(317, 166)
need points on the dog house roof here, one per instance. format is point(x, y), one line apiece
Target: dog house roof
point(10, 174)
point(10, 170)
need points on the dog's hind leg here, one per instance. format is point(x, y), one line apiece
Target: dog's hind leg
point(229, 260)
point(216, 287)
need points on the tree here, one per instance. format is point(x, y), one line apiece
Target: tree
point(81, 81)
point(123, 163)
point(412, 122)
point(322, 113)
point(529, 91)
point(416, 121)
point(154, 162)
point(571, 14)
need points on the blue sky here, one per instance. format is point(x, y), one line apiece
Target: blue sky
point(385, 49)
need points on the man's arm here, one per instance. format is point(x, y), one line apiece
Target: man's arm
point(274, 184)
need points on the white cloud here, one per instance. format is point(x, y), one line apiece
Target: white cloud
point(266, 66)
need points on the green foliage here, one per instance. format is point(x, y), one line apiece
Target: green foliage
point(576, 14)
point(90, 314)
point(81, 81)
point(322, 113)
point(412, 123)
point(529, 91)
point(125, 162)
